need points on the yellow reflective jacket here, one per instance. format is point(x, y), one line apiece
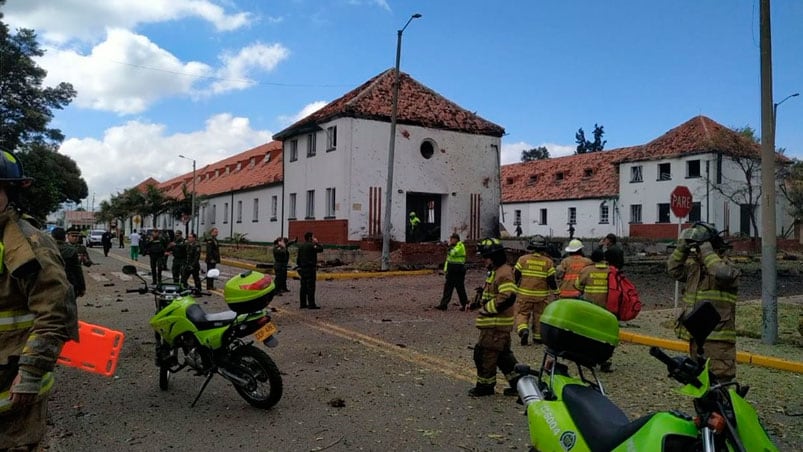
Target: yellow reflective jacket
point(499, 300)
point(537, 279)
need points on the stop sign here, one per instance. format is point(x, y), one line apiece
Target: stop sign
point(680, 201)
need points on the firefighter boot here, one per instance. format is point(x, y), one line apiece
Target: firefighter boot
point(524, 335)
point(481, 390)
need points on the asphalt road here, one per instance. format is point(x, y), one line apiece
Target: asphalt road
point(399, 368)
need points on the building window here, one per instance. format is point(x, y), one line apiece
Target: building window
point(267, 157)
point(663, 213)
point(572, 215)
point(517, 217)
point(225, 213)
point(635, 213)
point(560, 176)
point(293, 150)
point(274, 207)
point(203, 214)
point(427, 149)
point(604, 214)
point(311, 145)
point(692, 169)
point(532, 180)
point(664, 171)
point(543, 216)
point(214, 214)
point(255, 218)
point(694, 213)
point(310, 205)
point(331, 138)
point(330, 202)
point(509, 180)
point(291, 214)
point(588, 172)
point(635, 174)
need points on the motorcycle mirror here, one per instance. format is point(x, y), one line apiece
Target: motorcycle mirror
point(129, 270)
point(213, 273)
point(701, 321)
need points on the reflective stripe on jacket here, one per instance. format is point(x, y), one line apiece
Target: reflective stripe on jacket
point(568, 270)
point(44, 389)
point(707, 277)
point(498, 308)
point(455, 255)
point(593, 283)
point(535, 269)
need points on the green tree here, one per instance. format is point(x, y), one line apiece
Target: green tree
point(155, 202)
point(585, 146)
point(539, 153)
point(57, 179)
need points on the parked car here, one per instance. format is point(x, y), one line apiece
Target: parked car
point(95, 237)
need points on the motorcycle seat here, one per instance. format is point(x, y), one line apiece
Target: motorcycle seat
point(603, 424)
point(204, 321)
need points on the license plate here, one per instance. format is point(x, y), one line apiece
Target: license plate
point(267, 330)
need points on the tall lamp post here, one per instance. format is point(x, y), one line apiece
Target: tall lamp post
point(775, 113)
point(392, 149)
point(192, 202)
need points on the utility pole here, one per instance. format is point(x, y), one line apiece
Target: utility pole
point(769, 240)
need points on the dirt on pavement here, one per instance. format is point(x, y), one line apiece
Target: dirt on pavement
point(376, 368)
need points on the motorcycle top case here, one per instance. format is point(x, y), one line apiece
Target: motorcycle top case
point(580, 331)
point(249, 291)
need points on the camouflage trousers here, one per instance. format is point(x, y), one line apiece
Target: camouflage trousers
point(492, 351)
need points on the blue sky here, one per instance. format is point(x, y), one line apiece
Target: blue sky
point(212, 78)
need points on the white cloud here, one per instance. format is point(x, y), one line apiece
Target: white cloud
point(64, 20)
point(511, 152)
point(306, 111)
point(234, 73)
point(132, 152)
point(125, 74)
point(380, 3)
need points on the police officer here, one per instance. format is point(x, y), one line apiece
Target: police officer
point(455, 270)
point(193, 265)
point(307, 262)
point(699, 262)
point(155, 249)
point(212, 256)
point(414, 223)
point(37, 315)
point(178, 248)
point(495, 322)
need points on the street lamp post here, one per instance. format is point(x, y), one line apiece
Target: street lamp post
point(192, 202)
point(392, 149)
point(775, 113)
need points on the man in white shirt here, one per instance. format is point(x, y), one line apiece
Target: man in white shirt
point(134, 238)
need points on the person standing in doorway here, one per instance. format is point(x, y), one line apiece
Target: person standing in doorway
point(212, 256)
point(307, 263)
point(134, 246)
point(455, 271)
point(414, 223)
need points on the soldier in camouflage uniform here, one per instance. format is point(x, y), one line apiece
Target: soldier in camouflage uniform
point(37, 315)
point(700, 263)
point(72, 263)
point(178, 248)
point(193, 266)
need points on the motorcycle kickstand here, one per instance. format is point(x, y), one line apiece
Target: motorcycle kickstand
point(208, 379)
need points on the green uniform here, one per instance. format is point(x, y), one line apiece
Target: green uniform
point(72, 266)
point(37, 315)
point(179, 250)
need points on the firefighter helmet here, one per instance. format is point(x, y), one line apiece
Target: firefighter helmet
point(11, 170)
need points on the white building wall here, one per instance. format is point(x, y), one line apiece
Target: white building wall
point(265, 229)
point(462, 164)
point(589, 222)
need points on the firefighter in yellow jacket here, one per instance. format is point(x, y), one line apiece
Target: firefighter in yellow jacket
point(37, 315)
point(699, 262)
point(592, 282)
point(535, 278)
point(495, 322)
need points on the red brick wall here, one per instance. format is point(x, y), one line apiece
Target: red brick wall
point(332, 232)
point(656, 231)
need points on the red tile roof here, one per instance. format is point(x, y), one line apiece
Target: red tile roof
point(224, 177)
point(581, 176)
point(418, 105)
point(697, 136)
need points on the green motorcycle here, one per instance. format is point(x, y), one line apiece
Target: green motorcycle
point(572, 413)
point(216, 343)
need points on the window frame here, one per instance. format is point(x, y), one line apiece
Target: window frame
point(636, 174)
point(311, 145)
point(310, 210)
point(572, 215)
point(255, 216)
point(330, 203)
point(689, 174)
point(542, 217)
point(604, 213)
point(274, 207)
point(664, 213)
point(664, 175)
point(331, 138)
point(293, 151)
point(636, 214)
point(292, 206)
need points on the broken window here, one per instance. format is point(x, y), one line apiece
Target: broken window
point(635, 174)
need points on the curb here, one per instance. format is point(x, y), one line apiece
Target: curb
point(741, 357)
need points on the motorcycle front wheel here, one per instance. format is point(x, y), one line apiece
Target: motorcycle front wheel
point(264, 382)
point(163, 352)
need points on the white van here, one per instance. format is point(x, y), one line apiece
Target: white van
point(95, 237)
